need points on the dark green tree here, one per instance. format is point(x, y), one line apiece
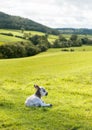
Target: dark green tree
point(74, 37)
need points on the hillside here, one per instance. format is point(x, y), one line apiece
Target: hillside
point(75, 31)
point(16, 22)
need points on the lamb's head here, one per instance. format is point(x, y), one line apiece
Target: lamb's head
point(40, 91)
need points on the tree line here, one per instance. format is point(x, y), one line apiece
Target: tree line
point(35, 45)
point(73, 41)
point(75, 31)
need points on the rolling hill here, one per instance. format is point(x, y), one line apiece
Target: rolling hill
point(16, 22)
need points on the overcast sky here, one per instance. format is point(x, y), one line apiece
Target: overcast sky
point(53, 13)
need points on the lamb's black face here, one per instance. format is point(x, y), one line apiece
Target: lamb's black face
point(43, 92)
point(40, 91)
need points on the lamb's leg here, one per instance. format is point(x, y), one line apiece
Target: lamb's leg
point(45, 105)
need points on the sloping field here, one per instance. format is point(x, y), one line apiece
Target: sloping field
point(9, 39)
point(68, 78)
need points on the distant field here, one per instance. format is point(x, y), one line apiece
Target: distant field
point(68, 78)
point(82, 48)
point(18, 32)
point(52, 38)
point(5, 39)
point(76, 49)
point(14, 32)
point(9, 39)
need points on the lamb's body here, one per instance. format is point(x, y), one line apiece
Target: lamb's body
point(35, 100)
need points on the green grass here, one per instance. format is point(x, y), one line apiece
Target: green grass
point(52, 38)
point(9, 39)
point(68, 78)
point(83, 48)
point(67, 36)
point(19, 33)
point(14, 32)
point(35, 33)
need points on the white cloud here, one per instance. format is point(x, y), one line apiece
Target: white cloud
point(53, 13)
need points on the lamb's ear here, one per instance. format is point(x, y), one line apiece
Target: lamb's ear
point(36, 86)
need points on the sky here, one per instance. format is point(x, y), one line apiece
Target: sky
point(52, 13)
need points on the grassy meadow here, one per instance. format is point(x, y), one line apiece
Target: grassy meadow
point(7, 39)
point(10, 39)
point(67, 76)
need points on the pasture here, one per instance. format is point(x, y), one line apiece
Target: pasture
point(67, 76)
point(9, 39)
